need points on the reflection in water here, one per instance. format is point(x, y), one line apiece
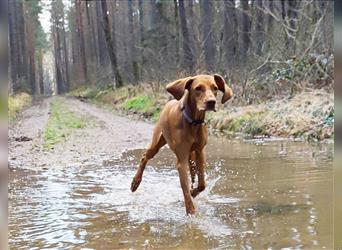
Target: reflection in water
point(259, 195)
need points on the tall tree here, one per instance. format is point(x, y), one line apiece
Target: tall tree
point(91, 31)
point(66, 56)
point(207, 31)
point(142, 34)
point(132, 47)
point(22, 43)
point(31, 17)
point(109, 41)
point(230, 33)
point(188, 56)
point(259, 32)
point(57, 8)
point(245, 31)
point(82, 63)
point(13, 46)
point(100, 34)
point(175, 3)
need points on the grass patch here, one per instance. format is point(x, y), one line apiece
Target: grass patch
point(61, 124)
point(87, 92)
point(142, 104)
point(249, 123)
point(17, 103)
point(139, 103)
point(127, 98)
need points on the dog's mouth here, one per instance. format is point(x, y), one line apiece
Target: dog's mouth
point(207, 109)
point(210, 109)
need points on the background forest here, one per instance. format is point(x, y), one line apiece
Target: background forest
point(262, 47)
point(122, 53)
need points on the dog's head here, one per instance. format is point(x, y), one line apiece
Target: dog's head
point(202, 89)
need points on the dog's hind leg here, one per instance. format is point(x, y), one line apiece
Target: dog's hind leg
point(192, 166)
point(158, 141)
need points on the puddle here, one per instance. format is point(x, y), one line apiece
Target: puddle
point(274, 194)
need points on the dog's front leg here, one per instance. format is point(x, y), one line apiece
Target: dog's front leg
point(182, 166)
point(200, 163)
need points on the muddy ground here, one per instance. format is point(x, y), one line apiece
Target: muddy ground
point(110, 136)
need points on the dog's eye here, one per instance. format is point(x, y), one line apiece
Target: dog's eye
point(215, 88)
point(199, 88)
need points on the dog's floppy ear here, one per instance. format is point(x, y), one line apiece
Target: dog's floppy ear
point(178, 87)
point(222, 86)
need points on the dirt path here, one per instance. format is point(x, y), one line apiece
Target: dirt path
point(107, 137)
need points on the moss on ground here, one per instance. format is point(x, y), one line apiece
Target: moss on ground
point(62, 122)
point(17, 103)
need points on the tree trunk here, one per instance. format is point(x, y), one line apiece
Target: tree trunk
point(245, 28)
point(82, 60)
point(192, 23)
point(259, 27)
point(109, 41)
point(22, 59)
point(31, 56)
point(208, 39)
point(188, 60)
point(101, 35)
point(175, 3)
point(142, 45)
point(91, 32)
point(66, 58)
point(135, 66)
point(13, 46)
point(230, 33)
point(72, 27)
point(40, 72)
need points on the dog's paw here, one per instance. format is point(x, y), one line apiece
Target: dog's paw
point(194, 192)
point(190, 210)
point(135, 184)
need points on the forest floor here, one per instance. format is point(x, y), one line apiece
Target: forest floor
point(308, 115)
point(41, 134)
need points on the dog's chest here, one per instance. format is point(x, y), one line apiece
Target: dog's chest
point(200, 137)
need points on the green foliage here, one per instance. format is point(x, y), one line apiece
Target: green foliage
point(41, 39)
point(17, 103)
point(61, 124)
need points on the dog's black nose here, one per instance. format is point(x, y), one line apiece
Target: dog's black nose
point(211, 104)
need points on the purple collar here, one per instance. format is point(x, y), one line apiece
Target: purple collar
point(189, 119)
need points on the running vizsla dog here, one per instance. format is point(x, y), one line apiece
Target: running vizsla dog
point(181, 125)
